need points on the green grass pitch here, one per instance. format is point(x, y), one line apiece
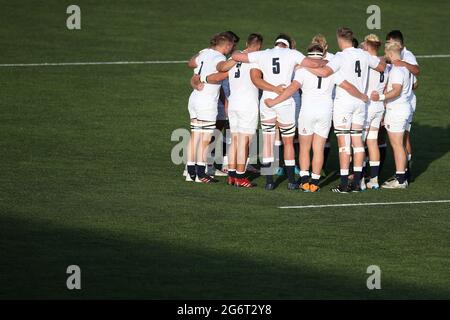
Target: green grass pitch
point(86, 176)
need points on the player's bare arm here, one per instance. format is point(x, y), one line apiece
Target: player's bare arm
point(395, 92)
point(352, 90)
point(196, 83)
point(240, 56)
point(214, 78)
point(413, 68)
point(286, 94)
point(191, 63)
point(313, 63)
point(381, 66)
point(321, 72)
point(225, 66)
point(257, 79)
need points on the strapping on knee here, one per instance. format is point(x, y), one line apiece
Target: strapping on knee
point(288, 131)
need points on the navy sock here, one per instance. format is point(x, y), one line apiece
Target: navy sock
point(232, 173)
point(290, 170)
point(269, 177)
point(374, 171)
point(344, 180)
point(191, 170)
point(357, 177)
point(240, 175)
point(200, 169)
point(401, 177)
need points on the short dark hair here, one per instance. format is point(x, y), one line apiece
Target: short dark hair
point(316, 47)
point(395, 35)
point(355, 42)
point(234, 36)
point(254, 38)
point(345, 33)
point(285, 37)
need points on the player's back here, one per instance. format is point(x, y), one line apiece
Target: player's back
point(207, 62)
point(316, 91)
point(377, 81)
point(354, 68)
point(241, 85)
point(277, 64)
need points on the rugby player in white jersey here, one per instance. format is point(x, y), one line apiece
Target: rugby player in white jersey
point(203, 107)
point(242, 114)
point(222, 123)
point(314, 120)
point(322, 41)
point(349, 113)
point(409, 61)
point(277, 65)
point(375, 111)
point(398, 112)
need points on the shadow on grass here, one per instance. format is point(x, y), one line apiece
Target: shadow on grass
point(428, 144)
point(35, 255)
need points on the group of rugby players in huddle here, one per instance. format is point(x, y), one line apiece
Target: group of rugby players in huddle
point(362, 96)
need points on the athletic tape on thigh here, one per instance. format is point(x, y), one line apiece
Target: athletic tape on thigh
point(287, 131)
point(204, 126)
point(345, 149)
point(373, 135)
point(359, 150)
point(268, 128)
point(341, 132)
point(356, 132)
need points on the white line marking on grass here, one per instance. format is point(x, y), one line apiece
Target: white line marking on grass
point(362, 204)
point(434, 56)
point(52, 64)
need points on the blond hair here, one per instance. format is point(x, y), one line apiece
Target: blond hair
point(320, 39)
point(372, 41)
point(393, 47)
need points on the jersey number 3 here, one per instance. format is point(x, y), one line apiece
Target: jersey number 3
point(276, 65)
point(237, 74)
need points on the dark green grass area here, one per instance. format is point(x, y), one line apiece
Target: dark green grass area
point(87, 178)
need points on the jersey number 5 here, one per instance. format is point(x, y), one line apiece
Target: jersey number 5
point(358, 68)
point(276, 65)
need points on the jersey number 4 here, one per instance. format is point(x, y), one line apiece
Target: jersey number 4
point(358, 68)
point(276, 65)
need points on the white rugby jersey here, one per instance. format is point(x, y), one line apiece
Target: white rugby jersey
point(329, 56)
point(409, 57)
point(277, 65)
point(315, 90)
point(207, 62)
point(400, 75)
point(242, 88)
point(352, 65)
point(377, 81)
